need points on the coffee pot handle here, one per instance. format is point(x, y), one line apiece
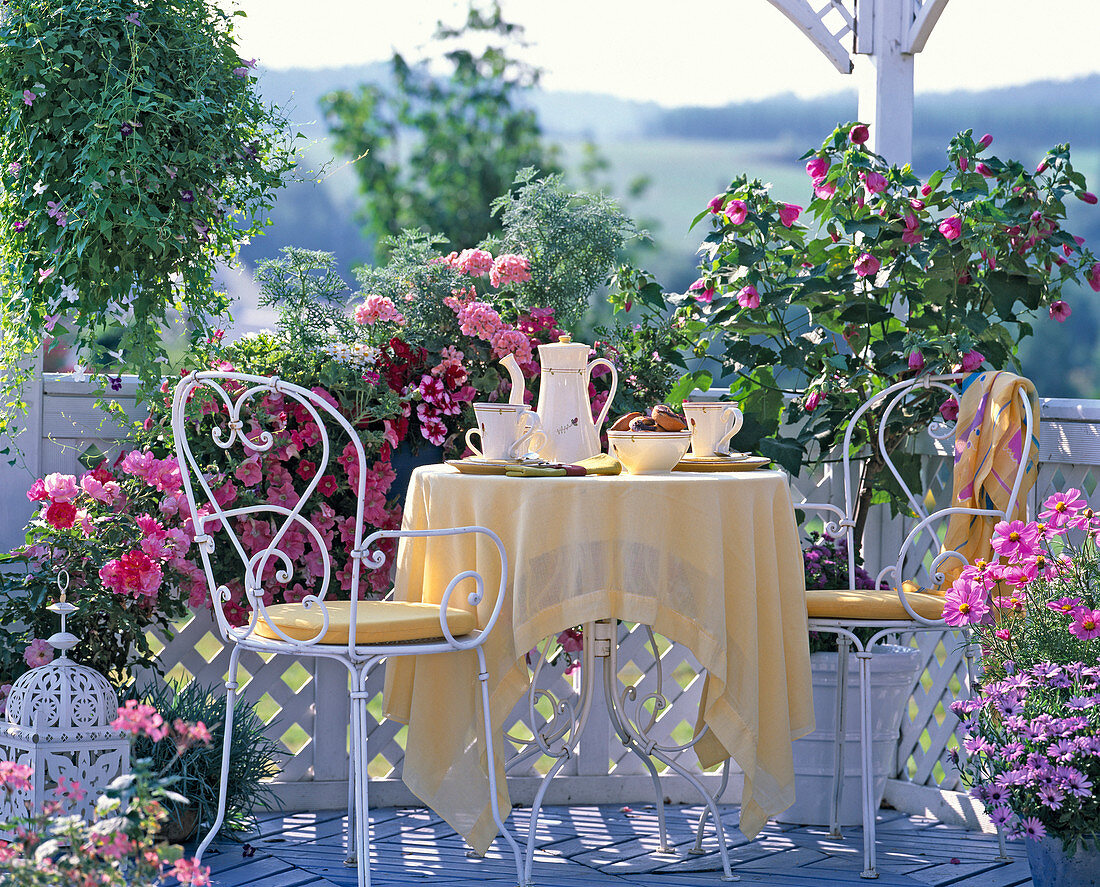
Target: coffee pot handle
point(610, 394)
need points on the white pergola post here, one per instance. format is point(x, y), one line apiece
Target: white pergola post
point(886, 35)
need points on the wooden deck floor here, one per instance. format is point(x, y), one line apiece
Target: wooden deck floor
point(605, 846)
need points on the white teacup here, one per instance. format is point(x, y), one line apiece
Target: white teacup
point(508, 431)
point(712, 424)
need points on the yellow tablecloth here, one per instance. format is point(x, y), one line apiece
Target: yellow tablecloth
point(711, 561)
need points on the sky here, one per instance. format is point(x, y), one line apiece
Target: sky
point(711, 52)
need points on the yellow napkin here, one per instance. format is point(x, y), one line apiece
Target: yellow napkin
point(601, 463)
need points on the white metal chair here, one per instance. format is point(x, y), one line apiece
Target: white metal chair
point(905, 597)
point(358, 633)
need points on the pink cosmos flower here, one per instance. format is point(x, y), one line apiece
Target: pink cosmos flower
point(817, 168)
point(1086, 624)
point(859, 134)
point(475, 262)
point(972, 360)
point(61, 487)
point(737, 211)
point(1062, 507)
point(1059, 311)
point(509, 268)
point(788, 213)
point(748, 297)
point(964, 603)
point(1067, 606)
point(874, 182)
point(916, 360)
point(951, 227)
point(1015, 540)
point(38, 653)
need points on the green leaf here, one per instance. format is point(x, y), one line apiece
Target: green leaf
point(784, 451)
point(700, 379)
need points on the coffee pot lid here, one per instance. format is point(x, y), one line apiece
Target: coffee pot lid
point(564, 354)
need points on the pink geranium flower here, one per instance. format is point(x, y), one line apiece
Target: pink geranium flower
point(965, 603)
point(1015, 540)
point(509, 268)
point(475, 262)
point(376, 309)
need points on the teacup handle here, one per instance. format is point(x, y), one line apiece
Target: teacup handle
point(721, 447)
point(470, 443)
point(523, 444)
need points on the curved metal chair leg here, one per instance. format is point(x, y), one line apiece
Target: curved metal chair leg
point(842, 647)
point(487, 724)
point(227, 742)
point(866, 762)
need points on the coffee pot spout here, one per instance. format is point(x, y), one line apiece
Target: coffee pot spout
point(516, 375)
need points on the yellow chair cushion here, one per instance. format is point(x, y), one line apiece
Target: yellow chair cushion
point(871, 604)
point(378, 622)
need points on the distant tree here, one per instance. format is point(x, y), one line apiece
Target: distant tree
point(436, 151)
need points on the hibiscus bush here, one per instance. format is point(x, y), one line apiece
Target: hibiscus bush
point(122, 846)
point(1032, 744)
point(810, 311)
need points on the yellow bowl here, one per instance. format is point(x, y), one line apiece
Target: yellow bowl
point(649, 452)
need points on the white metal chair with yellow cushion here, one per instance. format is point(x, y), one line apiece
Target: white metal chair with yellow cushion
point(317, 626)
point(909, 593)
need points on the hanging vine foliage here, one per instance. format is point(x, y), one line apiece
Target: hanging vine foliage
point(136, 153)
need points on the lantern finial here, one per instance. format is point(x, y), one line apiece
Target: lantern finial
point(64, 640)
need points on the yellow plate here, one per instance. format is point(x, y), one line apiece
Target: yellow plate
point(481, 466)
point(722, 463)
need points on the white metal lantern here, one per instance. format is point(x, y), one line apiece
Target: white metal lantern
point(58, 722)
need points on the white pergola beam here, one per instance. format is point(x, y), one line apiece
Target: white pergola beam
point(923, 23)
point(812, 25)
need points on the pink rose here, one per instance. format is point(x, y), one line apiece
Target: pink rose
point(1060, 311)
point(874, 182)
point(37, 492)
point(737, 211)
point(788, 213)
point(817, 168)
point(61, 487)
point(748, 297)
point(866, 265)
point(859, 134)
point(38, 653)
point(951, 227)
point(60, 515)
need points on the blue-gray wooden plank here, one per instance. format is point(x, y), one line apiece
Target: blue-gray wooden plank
point(611, 847)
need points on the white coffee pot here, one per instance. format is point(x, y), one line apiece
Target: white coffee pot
point(564, 405)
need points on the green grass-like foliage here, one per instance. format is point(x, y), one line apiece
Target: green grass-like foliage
point(254, 756)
